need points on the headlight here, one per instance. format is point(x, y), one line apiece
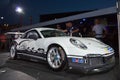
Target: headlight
point(78, 43)
point(110, 49)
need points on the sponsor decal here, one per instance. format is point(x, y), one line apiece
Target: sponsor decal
point(77, 60)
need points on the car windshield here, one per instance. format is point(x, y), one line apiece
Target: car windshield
point(52, 33)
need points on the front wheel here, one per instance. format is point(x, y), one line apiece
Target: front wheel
point(13, 52)
point(56, 58)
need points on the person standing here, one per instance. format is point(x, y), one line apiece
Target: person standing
point(58, 27)
point(99, 30)
point(71, 30)
point(3, 41)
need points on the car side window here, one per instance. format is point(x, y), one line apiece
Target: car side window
point(31, 33)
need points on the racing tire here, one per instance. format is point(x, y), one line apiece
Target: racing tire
point(13, 52)
point(56, 58)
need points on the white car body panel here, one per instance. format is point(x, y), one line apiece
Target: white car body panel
point(93, 46)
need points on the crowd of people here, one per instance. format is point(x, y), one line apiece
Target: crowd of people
point(98, 31)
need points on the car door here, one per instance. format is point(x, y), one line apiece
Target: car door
point(27, 41)
point(33, 44)
point(36, 45)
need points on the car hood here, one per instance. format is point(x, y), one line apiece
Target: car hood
point(94, 46)
point(92, 42)
point(87, 41)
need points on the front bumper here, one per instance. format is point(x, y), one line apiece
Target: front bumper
point(92, 64)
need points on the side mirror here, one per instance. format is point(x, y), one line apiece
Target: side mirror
point(34, 37)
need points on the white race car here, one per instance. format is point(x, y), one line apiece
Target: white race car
point(63, 52)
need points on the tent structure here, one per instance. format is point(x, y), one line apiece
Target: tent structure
point(100, 12)
point(105, 11)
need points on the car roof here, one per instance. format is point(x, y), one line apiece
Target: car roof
point(13, 33)
point(42, 29)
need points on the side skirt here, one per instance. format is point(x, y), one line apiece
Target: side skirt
point(31, 57)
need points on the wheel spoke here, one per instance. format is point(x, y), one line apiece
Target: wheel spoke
point(57, 52)
point(59, 62)
point(52, 57)
point(53, 51)
point(56, 63)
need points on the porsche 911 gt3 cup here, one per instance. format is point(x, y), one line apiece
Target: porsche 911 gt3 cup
point(63, 52)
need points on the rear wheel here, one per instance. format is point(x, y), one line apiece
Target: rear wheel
point(13, 52)
point(56, 58)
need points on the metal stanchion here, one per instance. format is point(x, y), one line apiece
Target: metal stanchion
point(118, 17)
